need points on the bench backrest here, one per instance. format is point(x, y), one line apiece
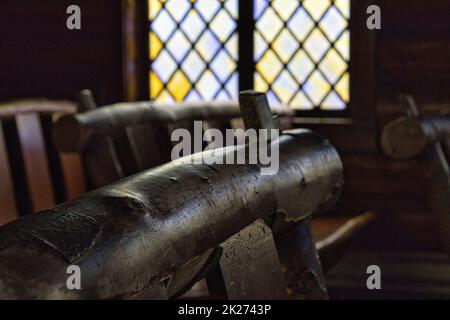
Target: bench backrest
point(34, 175)
point(119, 140)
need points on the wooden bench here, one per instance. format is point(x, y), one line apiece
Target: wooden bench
point(139, 238)
point(34, 175)
point(119, 140)
point(118, 125)
point(122, 139)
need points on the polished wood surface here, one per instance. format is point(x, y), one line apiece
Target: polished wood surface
point(34, 175)
point(36, 162)
point(8, 209)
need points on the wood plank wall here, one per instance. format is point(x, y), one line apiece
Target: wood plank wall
point(414, 55)
point(40, 57)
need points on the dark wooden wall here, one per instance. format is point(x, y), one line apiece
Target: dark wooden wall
point(414, 55)
point(40, 57)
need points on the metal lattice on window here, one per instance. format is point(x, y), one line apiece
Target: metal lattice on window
point(193, 50)
point(301, 51)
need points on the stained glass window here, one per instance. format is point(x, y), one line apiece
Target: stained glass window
point(193, 50)
point(301, 51)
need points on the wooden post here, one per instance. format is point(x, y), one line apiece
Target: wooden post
point(413, 135)
point(298, 249)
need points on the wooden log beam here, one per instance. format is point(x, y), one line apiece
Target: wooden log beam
point(131, 237)
point(73, 132)
point(42, 106)
point(409, 136)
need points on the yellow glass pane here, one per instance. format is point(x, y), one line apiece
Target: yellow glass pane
point(155, 45)
point(285, 8)
point(316, 7)
point(260, 84)
point(300, 101)
point(333, 66)
point(179, 86)
point(153, 8)
point(165, 97)
point(155, 85)
point(343, 45)
point(344, 7)
point(269, 66)
point(343, 87)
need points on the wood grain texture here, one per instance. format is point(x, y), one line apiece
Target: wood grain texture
point(413, 56)
point(42, 106)
point(8, 209)
point(40, 57)
point(36, 163)
point(74, 177)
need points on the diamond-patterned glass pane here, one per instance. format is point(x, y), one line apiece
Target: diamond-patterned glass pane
point(302, 52)
point(193, 50)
